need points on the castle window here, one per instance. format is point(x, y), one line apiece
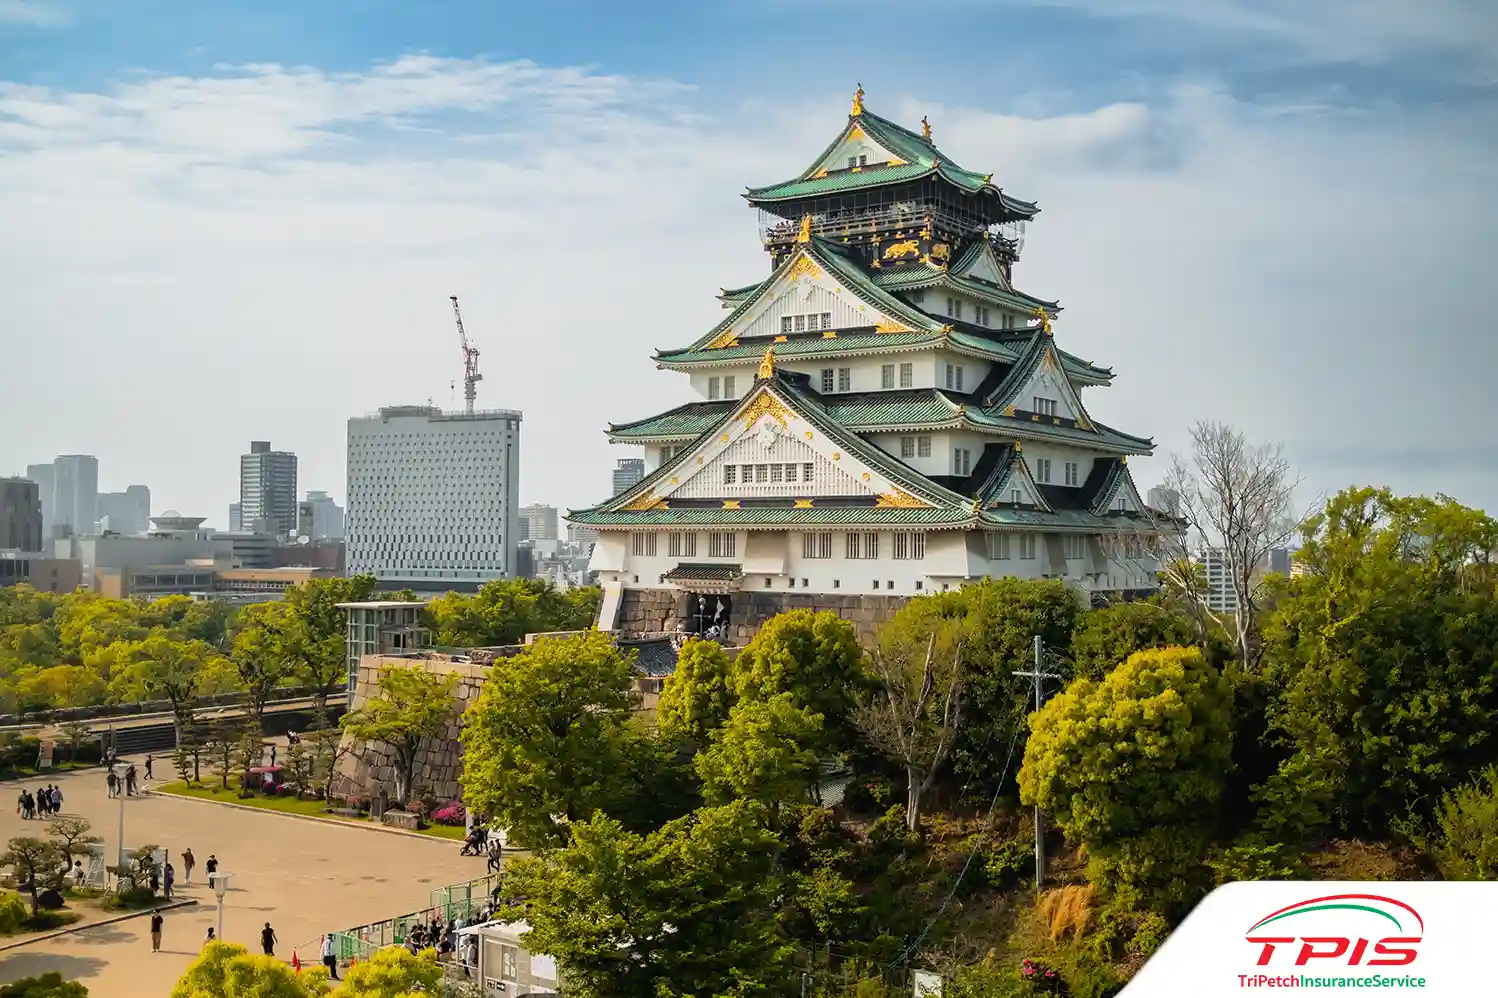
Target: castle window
point(728, 391)
point(909, 546)
point(712, 388)
point(777, 473)
point(918, 296)
point(952, 306)
point(959, 378)
point(887, 376)
point(923, 447)
point(1043, 470)
point(1074, 547)
point(673, 545)
point(950, 370)
point(806, 472)
point(863, 159)
point(1007, 321)
point(852, 162)
point(790, 472)
point(813, 322)
point(800, 323)
point(689, 545)
point(761, 474)
point(730, 474)
point(816, 545)
point(907, 375)
point(827, 382)
point(982, 316)
point(785, 324)
point(1071, 473)
point(665, 453)
point(844, 379)
point(721, 544)
point(998, 547)
point(642, 544)
point(1044, 406)
point(1014, 496)
point(1027, 547)
point(962, 461)
point(863, 546)
point(907, 446)
point(826, 320)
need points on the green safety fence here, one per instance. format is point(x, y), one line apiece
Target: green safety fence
point(447, 903)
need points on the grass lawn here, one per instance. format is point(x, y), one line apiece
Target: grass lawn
point(286, 805)
point(32, 773)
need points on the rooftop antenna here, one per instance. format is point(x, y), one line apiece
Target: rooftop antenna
point(471, 375)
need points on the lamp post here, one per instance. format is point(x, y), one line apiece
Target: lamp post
point(119, 775)
point(220, 888)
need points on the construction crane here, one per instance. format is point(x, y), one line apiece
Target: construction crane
point(471, 375)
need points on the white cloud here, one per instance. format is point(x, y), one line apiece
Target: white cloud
point(189, 263)
point(33, 13)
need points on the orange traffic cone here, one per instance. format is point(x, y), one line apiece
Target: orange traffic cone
point(296, 963)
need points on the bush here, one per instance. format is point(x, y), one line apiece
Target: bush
point(135, 897)
point(12, 912)
point(451, 814)
point(1464, 845)
point(48, 985)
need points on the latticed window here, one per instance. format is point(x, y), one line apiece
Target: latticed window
point(761, 474)
point(923, 447)
point(1071, 473)
point(728, 391)
point(712, 388)
point(998, 547)
point(790, 472)
point(722, 544)
point(1074, 547)
point(907, 446)
point(817, 545)
point(1045, 406)
point(909, 546)
point(863, 546)
point(907, 375)
point(806, 470)
point(785, 324)
point(730, 474)
point(827, 383)
point(642, 544)
point(777, 473)
point(844, 379)
point(887, 376)
point(689, 545)
point(1043, 470)
point(1027, 547)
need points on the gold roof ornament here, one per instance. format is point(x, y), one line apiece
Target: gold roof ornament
point(925, 128)
point(767, 366)
point(858, 100)
point(1045, 320)
point(804, 236)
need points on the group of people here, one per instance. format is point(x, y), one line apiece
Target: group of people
point(128, 785)
point(44, 804)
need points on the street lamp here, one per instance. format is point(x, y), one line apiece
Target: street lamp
point(119, 775)
point(220, 888)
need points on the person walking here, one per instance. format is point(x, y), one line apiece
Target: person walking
point(156, 922)
point(57, 800)
point(330, 956)
point(130, 788)
point(149, 774)
point(210, 937)
point(268, 940)
point(114, 784)
point(79, 877)
point(188, 862)
point(169, 880)
point(212, 867)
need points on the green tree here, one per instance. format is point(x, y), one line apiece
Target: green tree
point(75, 835)
point(228, 970)
point(545, 733)
point(265, 652)
point(166, 668)
point(814, 657)
point(1105, 637)
point(33, 862)
point(61, 686)
point(915, 713)
point(1379, 662)
point(1002, 616)
point(764, 753)
point(698, 695)
point(1132, 767)
point(504, 611)
point(393, 972)
point(48, 985)
point(75, 733)
point(12, 916)
point(314, 631)
point(687, 910)
point(413, 705)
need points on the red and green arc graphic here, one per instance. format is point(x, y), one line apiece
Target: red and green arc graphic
point(1395, 911)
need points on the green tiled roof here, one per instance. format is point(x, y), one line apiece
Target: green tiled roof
point(1019, 516)
point(920, 275)
point(810, 346)
point(738, 294)
point(690, 420)
point(702, 571)
point(922, 159)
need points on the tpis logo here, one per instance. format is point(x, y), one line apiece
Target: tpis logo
point(1340, 930)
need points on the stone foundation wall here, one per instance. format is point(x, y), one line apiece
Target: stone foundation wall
point(654, 610)
point(371, 765)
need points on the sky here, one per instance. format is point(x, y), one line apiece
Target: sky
point(241, 219)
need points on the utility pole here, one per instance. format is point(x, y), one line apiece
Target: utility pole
point(1039, 676)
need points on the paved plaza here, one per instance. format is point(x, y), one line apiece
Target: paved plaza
point(304, 877)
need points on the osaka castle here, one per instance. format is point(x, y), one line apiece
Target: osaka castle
point(884, 415)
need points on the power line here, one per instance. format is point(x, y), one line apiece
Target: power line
point(1039, 675)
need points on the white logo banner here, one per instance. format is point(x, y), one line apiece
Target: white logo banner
point(1345, 938)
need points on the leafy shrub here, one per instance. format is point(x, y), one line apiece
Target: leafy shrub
point(48, 985)
point(1464, 844)
point(1149, 933)
point(451, 814)
point(1252, 860)
point(12, 912)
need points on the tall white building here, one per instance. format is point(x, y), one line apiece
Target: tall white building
point(75, 492)
point(319, 517)
point(433, 496)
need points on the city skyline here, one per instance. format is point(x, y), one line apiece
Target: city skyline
point(1200, 224)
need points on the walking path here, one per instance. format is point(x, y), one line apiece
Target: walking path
point(304, 877)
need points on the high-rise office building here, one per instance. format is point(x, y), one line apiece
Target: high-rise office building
point(20, 515)
point(319, 517)
point(42, 475)
point(236, 517)
point(627, 473)
point(75, 493)
point(267, 489)
point(432, 496)
point(127, 512)
point(538, 522)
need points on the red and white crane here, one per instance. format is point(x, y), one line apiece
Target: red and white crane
point(471, 375)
